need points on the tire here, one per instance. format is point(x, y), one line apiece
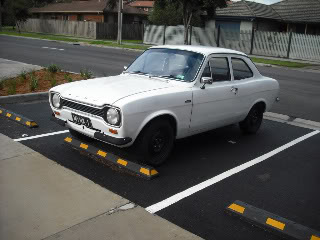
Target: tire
point(156, 142)
point(251, 124)
point(80, 136)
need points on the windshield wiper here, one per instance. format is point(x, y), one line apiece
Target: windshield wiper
point(136, 72)
point(168, 76)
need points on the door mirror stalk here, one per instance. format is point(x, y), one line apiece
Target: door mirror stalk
point(206, 80)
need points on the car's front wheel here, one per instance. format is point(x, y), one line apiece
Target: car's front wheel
point(156, 142)
point(251, 124)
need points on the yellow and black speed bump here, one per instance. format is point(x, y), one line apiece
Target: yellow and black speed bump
point(18, 118)
point(141, 170)
point(272, 222)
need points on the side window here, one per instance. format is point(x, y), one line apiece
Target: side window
point(220, 69)
point(240, 69)
point(206, 71)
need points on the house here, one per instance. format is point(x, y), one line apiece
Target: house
point(89, 10)
point(288, 15)
point(142, 5)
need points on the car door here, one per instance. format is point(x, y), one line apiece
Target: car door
point(214, 104)
point(242, 76)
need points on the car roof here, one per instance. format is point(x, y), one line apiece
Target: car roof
point(206, 50)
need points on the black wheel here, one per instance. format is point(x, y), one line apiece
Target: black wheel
point(252, 122)
point(156, 142)
point(80, 136)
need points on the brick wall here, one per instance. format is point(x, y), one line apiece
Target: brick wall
point(72, 17)
point(94, 18)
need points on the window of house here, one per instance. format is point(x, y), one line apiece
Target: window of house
point(240, 69)
point(80, 17)
point(220, 69)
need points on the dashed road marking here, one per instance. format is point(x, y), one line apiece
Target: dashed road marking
point(60, 49)
point(188, 192)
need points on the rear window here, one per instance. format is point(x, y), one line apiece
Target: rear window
point(240, 69)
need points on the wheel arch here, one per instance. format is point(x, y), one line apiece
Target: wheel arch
point(171, 117)
point(260, 102)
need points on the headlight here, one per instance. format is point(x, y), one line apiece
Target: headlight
point(56, 100)
point(113, 116)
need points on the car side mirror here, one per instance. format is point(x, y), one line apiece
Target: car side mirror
point(125, 67)
point(206, 80)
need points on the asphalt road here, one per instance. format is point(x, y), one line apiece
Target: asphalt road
point(300, 90)
point(285, 184)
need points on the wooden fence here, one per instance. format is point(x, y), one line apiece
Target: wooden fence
point(287, 45)
point(129, 31)
point(92, 30)
point(61, 27)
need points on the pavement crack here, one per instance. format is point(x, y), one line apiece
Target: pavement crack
point(125, 207)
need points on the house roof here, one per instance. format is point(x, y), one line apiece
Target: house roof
point(89, 6)
point(248, 9)
point(304, 11)
point(298, 11)
point(146, 4)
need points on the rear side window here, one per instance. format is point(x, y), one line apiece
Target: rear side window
point(240, 69)
point(220, 69)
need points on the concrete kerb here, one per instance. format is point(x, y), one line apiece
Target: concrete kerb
point(298, 122)
point(272, 222)
point(143, 171)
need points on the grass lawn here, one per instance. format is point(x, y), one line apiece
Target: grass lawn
point(280, 62)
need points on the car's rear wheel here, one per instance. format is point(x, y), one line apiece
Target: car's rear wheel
point(251, 124)
point(80, 136)
point(156, 142)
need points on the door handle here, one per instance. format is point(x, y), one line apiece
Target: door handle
point(234, 90)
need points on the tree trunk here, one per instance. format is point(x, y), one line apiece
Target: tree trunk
point(186, 22)
point(0, 16)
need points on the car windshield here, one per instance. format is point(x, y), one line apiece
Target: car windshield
point(167, 63)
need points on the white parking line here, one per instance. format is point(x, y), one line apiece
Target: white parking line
point(40, 136)
point(179, 196)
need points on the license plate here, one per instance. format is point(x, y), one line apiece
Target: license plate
point(81, 120)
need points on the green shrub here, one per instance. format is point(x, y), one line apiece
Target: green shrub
point(1, 85)
point(68, 77)
point(53, 68)
point(12, 87)
point(53, 81)
point(33, 82)
point(23, 75)
point(86, 74)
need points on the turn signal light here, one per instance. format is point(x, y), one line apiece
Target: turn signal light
point(57, 113)
point(113, 131)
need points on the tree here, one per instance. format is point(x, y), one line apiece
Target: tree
point(18, 11)
point(192, 8)
point(169, 15)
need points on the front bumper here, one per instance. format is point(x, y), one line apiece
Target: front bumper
point(95, 134)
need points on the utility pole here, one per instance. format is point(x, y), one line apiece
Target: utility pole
point(120, 6)
point(0, 15)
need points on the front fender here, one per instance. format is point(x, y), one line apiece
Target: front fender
point(153, 116)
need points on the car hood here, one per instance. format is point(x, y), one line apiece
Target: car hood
point(107, 90)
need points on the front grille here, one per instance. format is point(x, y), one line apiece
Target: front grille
point(83, 108)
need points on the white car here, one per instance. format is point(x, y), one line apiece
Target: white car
point(167, 93)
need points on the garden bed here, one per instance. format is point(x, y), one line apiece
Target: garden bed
point(39, 81)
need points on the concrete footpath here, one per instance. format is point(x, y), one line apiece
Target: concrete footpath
point(40, 199)
point(10, 68)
